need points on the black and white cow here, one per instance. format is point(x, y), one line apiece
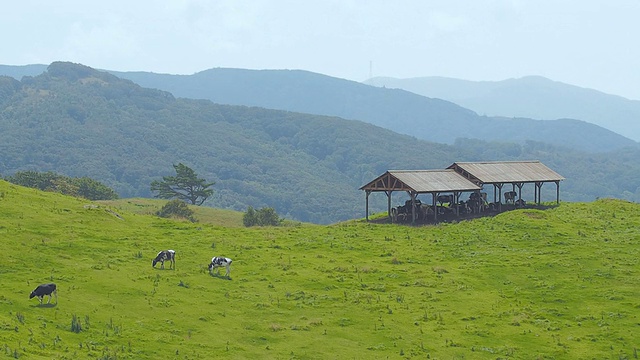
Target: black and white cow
point(165, 255)
point(218, 262)
point(510, 197)
point(45, 289)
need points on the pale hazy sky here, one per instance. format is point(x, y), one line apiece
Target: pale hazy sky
point(588, 43)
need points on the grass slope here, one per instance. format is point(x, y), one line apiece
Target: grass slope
point(559, 283)
point(203, 214)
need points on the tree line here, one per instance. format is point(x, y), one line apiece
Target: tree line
point(83, 187)
point(185, 187)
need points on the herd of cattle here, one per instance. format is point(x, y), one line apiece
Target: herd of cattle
point(477, 203)
point(51, 290)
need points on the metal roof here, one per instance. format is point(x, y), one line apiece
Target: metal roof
point(492, 172)
point(421, 181)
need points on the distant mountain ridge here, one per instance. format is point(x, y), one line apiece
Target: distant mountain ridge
point(532, 97)
point(404, 112)
point(18, 71)
point(401, 111)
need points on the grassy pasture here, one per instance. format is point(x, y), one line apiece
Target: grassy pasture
point(555, 284)
point(203, 214)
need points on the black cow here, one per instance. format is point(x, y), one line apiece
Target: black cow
point(45, 289)
point(442, 199)
point(218, 262)
point(478, 201)
point(165, 255)
point(510, 197)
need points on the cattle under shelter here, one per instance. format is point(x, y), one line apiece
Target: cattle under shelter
point(445, 187)
point(415, 182)
point(515, 173)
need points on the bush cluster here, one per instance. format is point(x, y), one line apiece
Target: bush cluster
point(177, 209)
point(49, 181)
point(262, 217)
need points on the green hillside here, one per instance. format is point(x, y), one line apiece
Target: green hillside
point(558, 283)
point(203, 214)
point(80, 122)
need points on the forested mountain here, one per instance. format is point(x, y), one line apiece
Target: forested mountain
point(398, 110)
point(78, 121)
point(401, 111)
point(532, 97)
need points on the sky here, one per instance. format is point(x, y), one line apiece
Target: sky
point(587, 43)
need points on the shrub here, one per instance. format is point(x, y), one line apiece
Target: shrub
point(262, 217)
point(176, 209)
point(250, 218)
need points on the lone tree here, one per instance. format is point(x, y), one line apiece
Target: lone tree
point(184, 186)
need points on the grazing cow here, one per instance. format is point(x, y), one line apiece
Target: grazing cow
point(45, 289)
point(510, 197)
point(218, 262)
point(165, 255)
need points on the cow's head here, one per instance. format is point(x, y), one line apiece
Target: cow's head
point(33, 293)
point(154, 262)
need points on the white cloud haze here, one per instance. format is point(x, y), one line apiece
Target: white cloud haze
point(589, 43)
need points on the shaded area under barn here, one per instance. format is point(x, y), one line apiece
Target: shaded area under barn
point(447, 185)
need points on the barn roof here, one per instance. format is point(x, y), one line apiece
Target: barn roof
point(493, 172)
point(421, 181)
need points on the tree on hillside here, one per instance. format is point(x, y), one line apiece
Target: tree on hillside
point(184, 186)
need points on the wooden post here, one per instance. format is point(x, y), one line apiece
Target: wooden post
point(388, 203)
point(435, 207)
point(368, 192)
point(413, 208)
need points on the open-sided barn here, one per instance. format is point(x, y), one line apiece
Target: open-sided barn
point(447, 185)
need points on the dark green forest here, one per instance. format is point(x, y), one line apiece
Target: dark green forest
point(80, 122)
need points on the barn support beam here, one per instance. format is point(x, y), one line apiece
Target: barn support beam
point(519, 185)
point(435, 207)
point(413, 207)
point(456, 201)
point(366, 201)
point(499, 186)
point(557, 192)
point(539, 192)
